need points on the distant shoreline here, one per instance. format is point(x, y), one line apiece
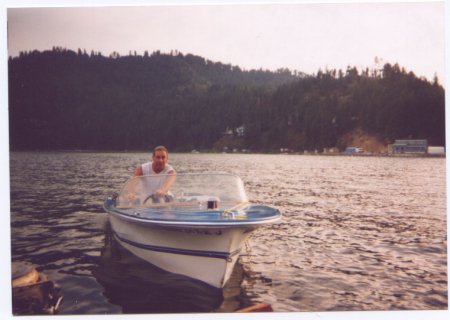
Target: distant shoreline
point(396, 155)
point(344, 154)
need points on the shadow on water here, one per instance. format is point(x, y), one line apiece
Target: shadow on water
point(140, 287)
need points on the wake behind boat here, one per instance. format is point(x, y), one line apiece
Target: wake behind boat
point(197, 229)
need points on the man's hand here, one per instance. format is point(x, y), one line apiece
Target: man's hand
point(130, 197)
point(160, 193)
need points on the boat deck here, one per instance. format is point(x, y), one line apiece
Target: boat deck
point(195, 212)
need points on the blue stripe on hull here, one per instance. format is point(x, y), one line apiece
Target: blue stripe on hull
point(197, 253)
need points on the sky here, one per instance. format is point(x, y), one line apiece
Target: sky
point(302, 36)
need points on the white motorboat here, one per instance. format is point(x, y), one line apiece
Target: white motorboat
point(197, 229)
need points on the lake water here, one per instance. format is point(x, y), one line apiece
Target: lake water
point(358, 233)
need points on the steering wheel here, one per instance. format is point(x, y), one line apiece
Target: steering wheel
point(156, 199)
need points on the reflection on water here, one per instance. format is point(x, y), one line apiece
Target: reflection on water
point(358, 233)
point(139, 287)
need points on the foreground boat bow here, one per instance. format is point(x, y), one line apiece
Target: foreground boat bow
point(198, 229)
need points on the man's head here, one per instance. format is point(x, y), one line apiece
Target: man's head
point(160, 148)
point(160, 158)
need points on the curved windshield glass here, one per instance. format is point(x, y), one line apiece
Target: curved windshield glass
point(170, 188)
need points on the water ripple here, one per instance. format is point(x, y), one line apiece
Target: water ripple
point(357, 234)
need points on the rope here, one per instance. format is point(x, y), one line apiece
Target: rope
point(236, 206)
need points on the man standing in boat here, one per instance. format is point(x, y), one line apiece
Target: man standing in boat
point(156, 186)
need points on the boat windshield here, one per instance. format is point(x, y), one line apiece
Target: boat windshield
point(179, 188)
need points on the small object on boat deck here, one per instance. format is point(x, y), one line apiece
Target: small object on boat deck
point(260, 307)
point(212, 204)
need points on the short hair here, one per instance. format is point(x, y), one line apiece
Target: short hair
point(160, 148)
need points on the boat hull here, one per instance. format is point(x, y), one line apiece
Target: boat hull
point(204, 252)
point(197, 229)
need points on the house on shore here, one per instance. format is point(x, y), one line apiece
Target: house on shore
point(354, 150)
point(436, 150)
point(229, 132)
point(240, 131)
point(331, 150)
point(410, 146)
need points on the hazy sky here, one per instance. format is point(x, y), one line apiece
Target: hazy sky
point(303, 37)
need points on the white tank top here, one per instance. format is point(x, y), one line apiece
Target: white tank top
point(147, 169)
point(152, 184)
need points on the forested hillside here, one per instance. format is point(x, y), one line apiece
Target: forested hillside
point(66, 100)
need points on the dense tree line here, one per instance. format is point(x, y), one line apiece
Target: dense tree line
point(388, 103)
point(66, 100)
